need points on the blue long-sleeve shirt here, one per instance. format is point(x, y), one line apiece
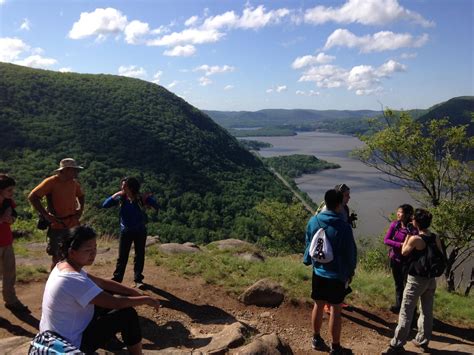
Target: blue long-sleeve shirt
point(339, 233)
point(131, 214)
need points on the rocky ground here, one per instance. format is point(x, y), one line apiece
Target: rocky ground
point(199, 318)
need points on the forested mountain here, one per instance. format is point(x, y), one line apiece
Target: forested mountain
point(205, 181)
point(458, 110)
point(274, 117)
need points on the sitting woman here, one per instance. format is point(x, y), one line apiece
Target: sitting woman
point(71, 294)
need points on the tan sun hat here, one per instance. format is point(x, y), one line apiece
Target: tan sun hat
point(68, 163)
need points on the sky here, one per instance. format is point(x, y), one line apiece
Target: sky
point(235, 55)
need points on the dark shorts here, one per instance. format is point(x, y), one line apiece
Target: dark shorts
point(332, 291)
point(55, 237)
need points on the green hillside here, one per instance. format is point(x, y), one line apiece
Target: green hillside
point(205, 181)
point(458, 110)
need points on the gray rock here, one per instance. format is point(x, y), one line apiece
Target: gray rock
point(232, 244)
point(269, 344)
point(151, 240)
point(264, 293)
point(176, 248)
point(231, 336)
point(253, 257)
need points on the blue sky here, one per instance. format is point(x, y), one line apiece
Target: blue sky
point(242, 55)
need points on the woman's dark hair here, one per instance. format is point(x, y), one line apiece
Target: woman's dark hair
point(407, 211)
point(74, 239)
point(332, 198)
point(133, 184)
point(6, 181)
point(423, 218)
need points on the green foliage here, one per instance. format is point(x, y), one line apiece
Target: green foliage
point(373, 255)
point(203, 179)
point(433, 161)
point(296, 165)
point(285, 225)
point(254, 145)
point(27, 273)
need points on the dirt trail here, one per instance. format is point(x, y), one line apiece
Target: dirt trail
point(193, 309)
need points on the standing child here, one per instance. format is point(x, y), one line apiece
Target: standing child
point(133, 220)
point(7, 255)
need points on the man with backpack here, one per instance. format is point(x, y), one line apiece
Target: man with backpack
point(333, 255)
point(65, 204)
point(426, 262)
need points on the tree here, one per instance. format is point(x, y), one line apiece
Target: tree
point(432, 161)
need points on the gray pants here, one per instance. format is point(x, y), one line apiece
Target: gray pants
point(422, 288)
point(8, 270)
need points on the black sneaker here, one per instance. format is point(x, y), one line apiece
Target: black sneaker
point(340, 351)
point(420, 345)
point(317, 343)
point(394, 350)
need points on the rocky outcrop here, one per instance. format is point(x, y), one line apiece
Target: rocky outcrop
point(264, 293)
point(253, 257)
point(269, 344)
point(226, 244)
point(231, 336)
point(176, 248)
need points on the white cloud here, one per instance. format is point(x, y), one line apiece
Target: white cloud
point(380, 41)
point(408, 55)
point(132, 71)
point(99, 23)
point(228, 87)
point(25, 25)
point(366, 12)
point(214, 69)
point(181, 51)
point(269, 91)
point(188, 36)
point(136, 30)
point(307, 60)
point(191, 21)
point(228, 19)
point(36, 61)
point(11, 48)
point(157, 77)
point(309, 93)
point(173, 84)
point(2, 2)
point(363, 79)
point(65, 70)
point(281, 88)
point(204, 81)
point(253, 18)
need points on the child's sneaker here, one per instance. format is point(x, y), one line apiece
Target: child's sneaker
point(339, 350)
point(317, 343)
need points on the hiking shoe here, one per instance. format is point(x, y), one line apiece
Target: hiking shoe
point(317, 343)
point(394, 350)
point(114, 344)
point(395, 309)
point(423, 346)
point(339, 350)
point(17, 307)
point(139, 285)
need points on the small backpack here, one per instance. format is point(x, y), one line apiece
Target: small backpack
point(49, 343)
point(320, 249)
point(432, 262)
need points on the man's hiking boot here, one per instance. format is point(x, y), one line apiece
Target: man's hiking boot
point(139, 285)
point(114, 344)
point(395, 309)
point(394, 350)
point(419, 345)
point(339, 350)
point(317, 343)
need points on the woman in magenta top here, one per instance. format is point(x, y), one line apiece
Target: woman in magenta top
point(396, 235)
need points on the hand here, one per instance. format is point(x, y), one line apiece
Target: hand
point(50, 217)
point(118, 194)
point(153, 302)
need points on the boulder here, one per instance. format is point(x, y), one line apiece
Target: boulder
point(232, 244)
point(231, 336)
point(264, 293)
point(269, 344)
point(151, 240)
point(176, 248)
point(253, 257)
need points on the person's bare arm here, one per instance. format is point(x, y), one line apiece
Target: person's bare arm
point(113, 286)
point(81, 200)
point(35, 201)
point(409, 244)
point(106, 300)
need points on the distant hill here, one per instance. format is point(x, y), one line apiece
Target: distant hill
point(458, 110)
point(275, 117)
point(205, 181)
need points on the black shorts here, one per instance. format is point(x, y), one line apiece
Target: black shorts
point(332, 291)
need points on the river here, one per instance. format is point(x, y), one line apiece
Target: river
point(372, 198)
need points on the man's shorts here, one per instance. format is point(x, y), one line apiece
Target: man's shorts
point(55, 236)
point(332, 291)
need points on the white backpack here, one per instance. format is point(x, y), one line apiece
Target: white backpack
point(320, 249)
